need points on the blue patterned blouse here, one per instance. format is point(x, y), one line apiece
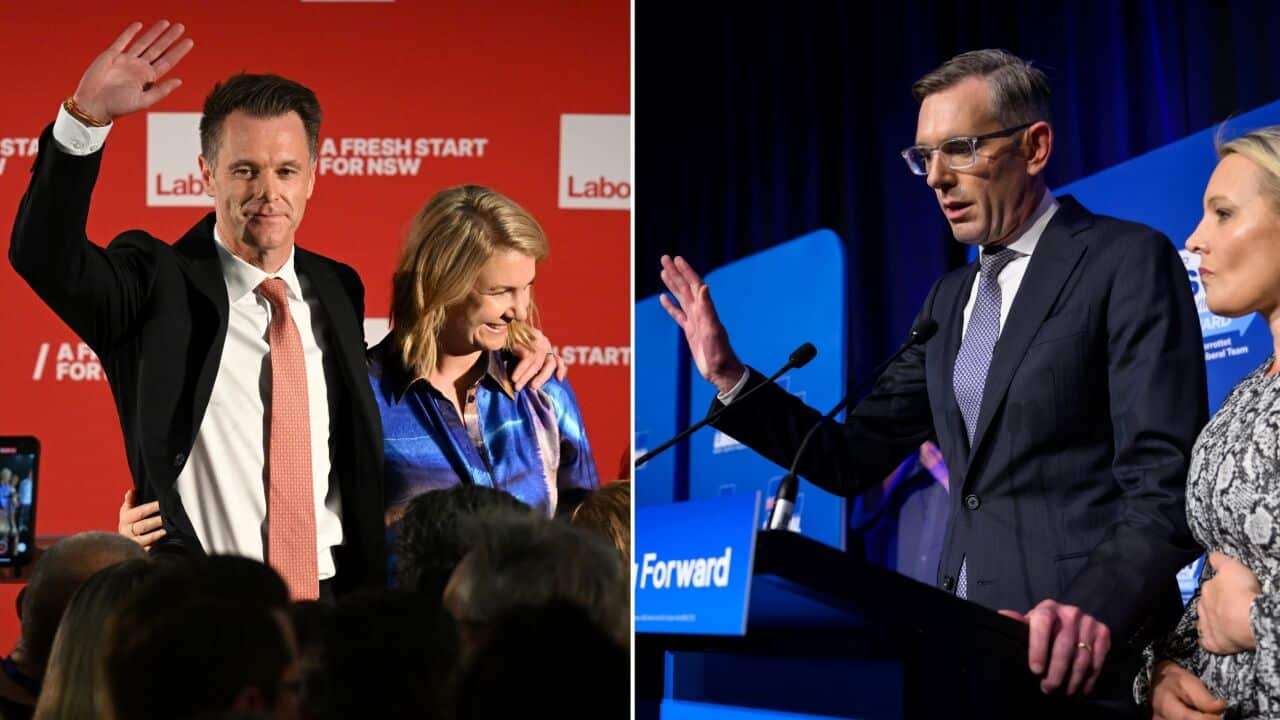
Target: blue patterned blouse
point(531, 444)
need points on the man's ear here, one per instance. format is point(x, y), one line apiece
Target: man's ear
point(206, 175)
point(1039, 146)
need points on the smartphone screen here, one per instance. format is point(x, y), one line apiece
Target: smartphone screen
point(19, 473)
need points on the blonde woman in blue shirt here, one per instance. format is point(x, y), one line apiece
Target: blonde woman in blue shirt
point(462, 303)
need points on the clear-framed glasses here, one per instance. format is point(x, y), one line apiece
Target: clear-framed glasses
point(958, 152)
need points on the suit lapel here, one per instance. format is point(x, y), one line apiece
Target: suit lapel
point(343, 324)
point(1055, 257)
point(205, 272)
point(955, 445)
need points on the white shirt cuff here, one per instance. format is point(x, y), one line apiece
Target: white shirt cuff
point(74, 137)
point(727, 397)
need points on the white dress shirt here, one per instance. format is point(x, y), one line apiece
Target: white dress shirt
point(223, 484)
point(1024, 244)
point(1010, 278)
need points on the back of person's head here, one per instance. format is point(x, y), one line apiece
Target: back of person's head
point(535, 649)
point(1019, 92)
point(607, 513)
point(259, 96)
point(518, 562)
point(243, 581)
point(57, 574)
point(1262, 147)
point(431, 543)
point(387, 654)
point(568, 500)
point(225, 579)
point(71, 687)
point(199, 656)
point(310, 620)
point(448, 244)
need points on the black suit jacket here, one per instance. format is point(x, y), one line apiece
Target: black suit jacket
point(156, 315)
point(1074, 486)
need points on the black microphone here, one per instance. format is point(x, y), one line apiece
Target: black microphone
point(799, 358)
point(785, 499)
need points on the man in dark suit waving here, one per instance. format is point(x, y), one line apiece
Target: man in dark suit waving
point(236, 358)
point(1065, 386)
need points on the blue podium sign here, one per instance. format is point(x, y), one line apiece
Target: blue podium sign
point(691, 569)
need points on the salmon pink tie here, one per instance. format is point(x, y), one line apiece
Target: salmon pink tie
point(291, 512)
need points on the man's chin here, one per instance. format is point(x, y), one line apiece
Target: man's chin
point(966, 236)
point(268, 240)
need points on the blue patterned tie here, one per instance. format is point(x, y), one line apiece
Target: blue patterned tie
point(974, 359)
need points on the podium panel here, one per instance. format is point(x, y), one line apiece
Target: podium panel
point(827, 635)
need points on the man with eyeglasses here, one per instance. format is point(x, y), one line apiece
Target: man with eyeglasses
point(1065, 386)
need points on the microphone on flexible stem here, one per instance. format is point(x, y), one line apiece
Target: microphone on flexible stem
point(799, 358)
point(784, 500)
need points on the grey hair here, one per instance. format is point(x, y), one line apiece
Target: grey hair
point(1019, 91)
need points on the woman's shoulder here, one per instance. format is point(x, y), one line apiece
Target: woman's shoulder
point(386, 372)
point(559, 391)
point(377, 357)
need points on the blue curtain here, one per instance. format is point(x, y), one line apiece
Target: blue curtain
point(753, 126)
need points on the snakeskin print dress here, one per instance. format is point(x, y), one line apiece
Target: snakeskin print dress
point(1233, 506)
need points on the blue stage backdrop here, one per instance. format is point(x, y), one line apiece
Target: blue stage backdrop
point(766, 327)
point(772, 302)
point(660, 362)
point(770, 124)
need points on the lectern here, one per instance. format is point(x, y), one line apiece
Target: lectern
point(733, 622)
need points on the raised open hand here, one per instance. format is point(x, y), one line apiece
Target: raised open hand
point(126, 77)
point(696, 316)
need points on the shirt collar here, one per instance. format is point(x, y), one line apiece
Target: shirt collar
point(497, 372)
point(1025, 242)
point(243, 278)
point(401, 380)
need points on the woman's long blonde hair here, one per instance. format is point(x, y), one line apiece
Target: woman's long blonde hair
point(448, 243)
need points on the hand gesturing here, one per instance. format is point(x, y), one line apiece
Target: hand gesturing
point(696, 316)
point(126, 77)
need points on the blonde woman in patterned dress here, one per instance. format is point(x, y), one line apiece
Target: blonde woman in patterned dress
point(1223, 658)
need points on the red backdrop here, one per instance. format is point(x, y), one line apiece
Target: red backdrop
point(497, 74)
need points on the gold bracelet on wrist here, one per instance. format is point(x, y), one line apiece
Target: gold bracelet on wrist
point(79, 114)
